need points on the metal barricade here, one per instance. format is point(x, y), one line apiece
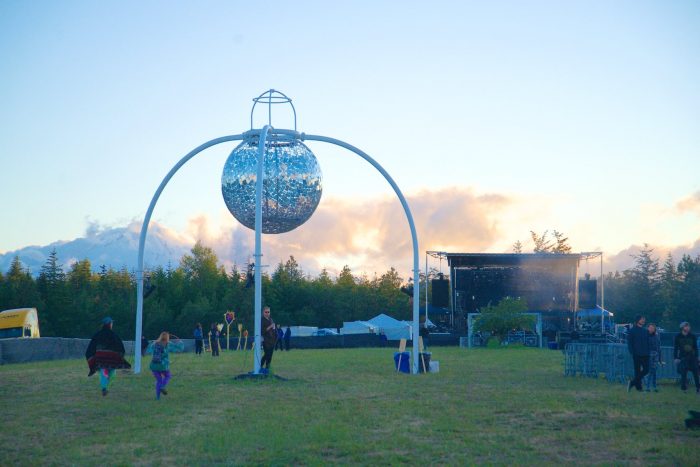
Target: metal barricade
point(612, 360)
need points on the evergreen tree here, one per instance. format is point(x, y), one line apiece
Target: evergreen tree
point(52, 287)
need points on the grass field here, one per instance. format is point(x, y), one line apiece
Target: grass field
point(494, 406)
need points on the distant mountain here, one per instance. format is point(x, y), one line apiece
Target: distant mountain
point(116, 247)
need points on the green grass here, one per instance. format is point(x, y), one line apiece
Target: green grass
point(494, 406)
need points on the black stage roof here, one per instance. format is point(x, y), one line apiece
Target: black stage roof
point(476, 260)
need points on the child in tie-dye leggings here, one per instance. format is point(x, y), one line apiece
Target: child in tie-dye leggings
point(160, 363)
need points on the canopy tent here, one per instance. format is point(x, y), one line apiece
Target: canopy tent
point(391, 327)
point(357, 327)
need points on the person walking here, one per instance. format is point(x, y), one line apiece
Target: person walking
point(685, 355)
point(654, 358)
point(638, 345)
point(269, 335)
point(287, 338)
point(160, 362)
point(198, 339)
point(280, 337)
point(105, 353)
point(214, 334)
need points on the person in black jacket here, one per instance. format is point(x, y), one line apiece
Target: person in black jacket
point(685, 355)
point(280, 336)
point(269, 335)
point(287, 338)
point(106, 353)
point(638, 345)
point(214, 343)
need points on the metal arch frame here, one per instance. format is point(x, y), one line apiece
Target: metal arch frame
point(263, 134)
point(411, 224)
point(144, 231)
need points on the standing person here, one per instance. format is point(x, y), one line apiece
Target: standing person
point(287, 338)
point(280, 336)
point(269, 335)
point(654, 358)
point(105, 353)
point(424, 332)
point(214, 334)
point(198, 339)
point(685, 355)
point(638, 345)
point(160, 362)
point(144, 344)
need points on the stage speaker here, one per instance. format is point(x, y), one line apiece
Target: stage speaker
point(441, 293)
point(587, 293)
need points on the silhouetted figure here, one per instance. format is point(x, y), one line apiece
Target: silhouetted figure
point(685, 355)
point(269, 335)
point(287, 338)
point(638, 345)
point(214, 335)
point(280, 338)
point(198, 339)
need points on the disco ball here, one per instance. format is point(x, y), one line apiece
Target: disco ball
point(292, 185)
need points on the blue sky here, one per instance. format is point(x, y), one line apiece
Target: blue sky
point(585, 115)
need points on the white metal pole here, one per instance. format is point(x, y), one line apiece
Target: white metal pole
point(144, 231)
point(426, 288)
point(258, 247)
point(411, 225)
point(602, 296)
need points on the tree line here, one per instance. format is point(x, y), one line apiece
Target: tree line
point(666, 293)
point(71, 303)
point(199, 290)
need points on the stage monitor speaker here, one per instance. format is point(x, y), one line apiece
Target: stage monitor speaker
point(441, 293)
point(587, 293)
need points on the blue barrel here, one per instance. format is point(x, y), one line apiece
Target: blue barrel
point(552, 345)
point(405, 362)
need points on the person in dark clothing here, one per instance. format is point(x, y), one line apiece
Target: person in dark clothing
point(280, 336)
point(287, 338)
point(198, 339)
point(144, 345)
point(105, 353)
point(574, 336)
point(685, 355)
point(638, 345)
point(214, 334)
point(654, 358)
point(269, 335)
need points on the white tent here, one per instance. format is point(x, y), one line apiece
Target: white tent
point(358, 327)
point(391, 327)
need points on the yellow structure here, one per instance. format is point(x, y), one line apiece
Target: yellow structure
point(20, 322)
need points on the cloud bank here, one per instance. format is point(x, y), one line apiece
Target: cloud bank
point(369, 235)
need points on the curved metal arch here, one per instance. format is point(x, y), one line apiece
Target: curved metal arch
point(144, 231)
point(263, 136)
point(411, 224)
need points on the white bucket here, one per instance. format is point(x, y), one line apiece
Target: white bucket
point(434, 366)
